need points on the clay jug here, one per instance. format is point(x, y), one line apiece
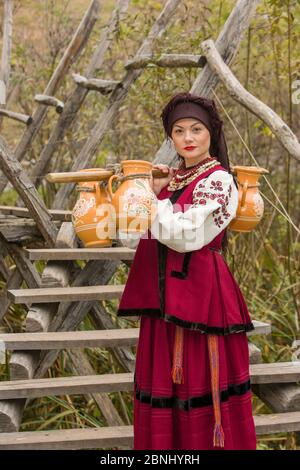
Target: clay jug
point(251, 205)
point(134, 198)
point(91, 215)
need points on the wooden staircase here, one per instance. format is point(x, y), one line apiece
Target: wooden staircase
point(116, 436)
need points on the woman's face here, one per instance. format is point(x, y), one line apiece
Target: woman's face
point(191, 140)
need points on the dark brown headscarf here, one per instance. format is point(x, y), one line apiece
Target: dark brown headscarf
point(185, 105)
point(188, 105)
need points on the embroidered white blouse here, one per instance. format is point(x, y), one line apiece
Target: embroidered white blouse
point(215, 202)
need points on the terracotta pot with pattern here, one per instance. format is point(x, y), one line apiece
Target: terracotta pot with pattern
point(93, 221)
point(251, 205)
point(133, 199)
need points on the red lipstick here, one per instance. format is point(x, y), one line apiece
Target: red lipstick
point(189, 148)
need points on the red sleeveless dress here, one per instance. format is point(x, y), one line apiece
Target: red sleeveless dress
point(194, 293)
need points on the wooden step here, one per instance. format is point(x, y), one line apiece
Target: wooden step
point(65, 294)
point(87, 339)
point(71, 339)
point(63, 254)
point(261, 328)
point(87, 438)
point(121, 436)
point(34, 388)
point(277, 422)
point(57, 214)
point(277, 372)
point(78, 385)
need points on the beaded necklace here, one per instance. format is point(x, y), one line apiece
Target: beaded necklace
point(184, 176)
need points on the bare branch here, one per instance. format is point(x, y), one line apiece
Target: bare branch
point(280, 129)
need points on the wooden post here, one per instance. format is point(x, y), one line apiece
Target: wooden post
point(50, 101)
point(6, 50)
point(24, 266)
point(167, 60)
point(102, 86)
point(22, 184)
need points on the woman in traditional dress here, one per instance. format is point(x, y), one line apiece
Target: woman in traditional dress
point(191, 382)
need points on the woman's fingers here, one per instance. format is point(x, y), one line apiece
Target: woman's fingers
point(162, 167)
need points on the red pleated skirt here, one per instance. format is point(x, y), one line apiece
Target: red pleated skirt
point(170, 416)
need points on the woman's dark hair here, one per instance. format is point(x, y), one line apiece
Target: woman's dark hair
point(218, 147)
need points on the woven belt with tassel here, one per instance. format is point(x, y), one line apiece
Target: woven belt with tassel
point(177, 377)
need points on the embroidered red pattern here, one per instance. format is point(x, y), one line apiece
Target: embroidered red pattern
point(216, 191)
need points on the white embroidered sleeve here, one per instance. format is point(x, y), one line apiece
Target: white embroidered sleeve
point(215, 202)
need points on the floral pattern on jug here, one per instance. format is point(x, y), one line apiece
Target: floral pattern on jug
point(81, 208)
point(258, 205)
point(134, 200)
point(137, 201)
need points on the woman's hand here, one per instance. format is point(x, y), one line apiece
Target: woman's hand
point(157, 184)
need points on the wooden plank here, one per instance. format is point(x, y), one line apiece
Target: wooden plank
point(65, 294)
point(56, 214)
point(103, 86)
point(24, 118)
point(78, 385)
point(19, 229)
point(50, 101)
point(261, 328)
point(80, 253)
point(277, 372)
point(70, 339)
point(280, 398)
point(75, 339)
point(95, 174)
point(259, 373)
point(118, 436)
point(87, 438)
point(277, 422)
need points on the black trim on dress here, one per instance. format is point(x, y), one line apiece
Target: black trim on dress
point(193, 402)
point(162, 251)
point(185, 267)
point(162, 257)
point(202, 327)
